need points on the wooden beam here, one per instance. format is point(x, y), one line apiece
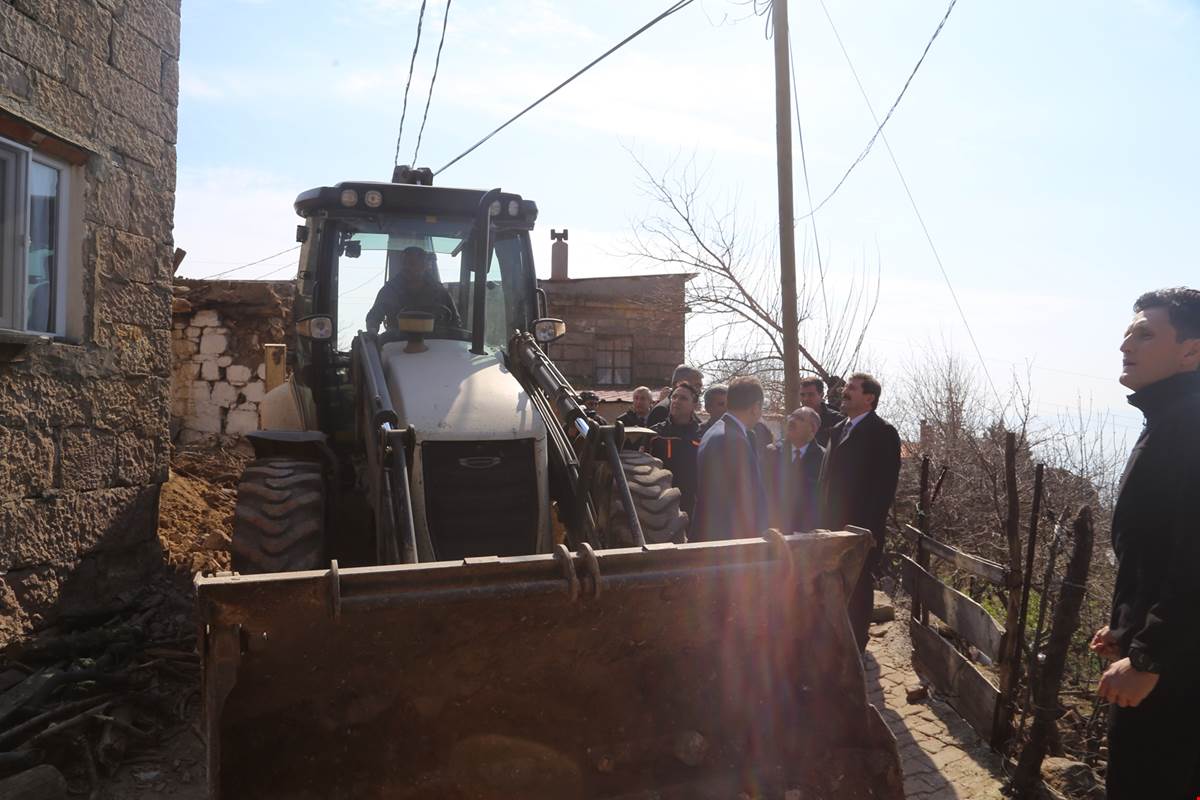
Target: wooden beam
point(275, 356)
point(988, 570)
point(970, 693)
point(968, 619)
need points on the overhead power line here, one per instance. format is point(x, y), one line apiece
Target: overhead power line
point(912, 201)
point(251, 264)
point(678, 6)
point(807, 186)
point(879, 125)
point(429, 97)
point(411, 63)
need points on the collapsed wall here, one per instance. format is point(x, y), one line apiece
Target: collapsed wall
point(218, 331)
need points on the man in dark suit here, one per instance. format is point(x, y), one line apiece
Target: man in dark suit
point(637, 416)
point(858, 483)
point(792, 472)
point(812, 395)
point(731, 502)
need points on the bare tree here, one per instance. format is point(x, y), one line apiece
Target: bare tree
point(736, 284)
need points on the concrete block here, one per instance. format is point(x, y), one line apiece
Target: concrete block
point(201, 392)
point(213, 343)
point(241, 420)
point(254, 391)
point(225, 395)
point(237, 374)
point(209, 371)
point(184, 348)
point(206, 318)
point(203, 416)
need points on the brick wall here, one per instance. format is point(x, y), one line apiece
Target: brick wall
point(84, 420)
point(649, 309)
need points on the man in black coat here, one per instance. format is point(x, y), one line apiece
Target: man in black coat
point(812, 395)
point(662, 409)
point(858, 483)
point(677, 444)
point(792, 472)
point(1153, 635)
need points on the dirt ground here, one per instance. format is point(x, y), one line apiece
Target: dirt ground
point(141, 663)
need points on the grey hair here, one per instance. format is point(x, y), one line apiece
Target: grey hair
point(807, 414)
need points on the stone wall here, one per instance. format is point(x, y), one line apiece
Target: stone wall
point(218, 331)
point(84, 418)
point(650, 309)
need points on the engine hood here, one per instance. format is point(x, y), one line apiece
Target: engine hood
point(449, 393)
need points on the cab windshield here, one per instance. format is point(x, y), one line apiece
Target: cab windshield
point(387, 265)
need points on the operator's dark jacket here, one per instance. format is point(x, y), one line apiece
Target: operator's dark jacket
point(1154, 747)
point(430, 296)
point(858, 484)
point(678, 446)
point(793, 500)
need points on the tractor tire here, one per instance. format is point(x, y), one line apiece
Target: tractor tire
point(657, 502)
point(279, 521)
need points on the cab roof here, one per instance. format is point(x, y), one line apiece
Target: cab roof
point(402, 198)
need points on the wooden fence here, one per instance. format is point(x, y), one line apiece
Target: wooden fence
point(986, 704)
point(966, 688)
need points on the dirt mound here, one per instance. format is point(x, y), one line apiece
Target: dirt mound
point(195, 518)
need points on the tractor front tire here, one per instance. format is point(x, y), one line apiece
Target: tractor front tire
point(279, 522)
point(656, 500)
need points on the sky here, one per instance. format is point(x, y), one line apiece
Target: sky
point(1049, 147)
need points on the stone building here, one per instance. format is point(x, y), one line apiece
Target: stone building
point(621, 331)
point(219, 374)
point(88, 95)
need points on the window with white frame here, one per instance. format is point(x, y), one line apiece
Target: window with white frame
point(33, 199)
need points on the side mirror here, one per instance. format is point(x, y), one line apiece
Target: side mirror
point(549, 330)
point(315, 327)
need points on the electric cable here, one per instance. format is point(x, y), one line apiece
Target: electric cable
point(879, 125)
point(912, 201)
point(677, 6)
point(247, 266)
point(807, 187)
point(429, 97)
point(412, 61)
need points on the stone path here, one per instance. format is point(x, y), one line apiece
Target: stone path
point(941, 755)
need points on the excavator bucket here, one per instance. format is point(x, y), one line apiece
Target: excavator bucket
point(693, 671)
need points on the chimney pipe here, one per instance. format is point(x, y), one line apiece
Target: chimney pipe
point(558, 256)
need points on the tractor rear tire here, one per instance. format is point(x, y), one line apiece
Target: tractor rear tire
point(279, 522)
point(657, 502)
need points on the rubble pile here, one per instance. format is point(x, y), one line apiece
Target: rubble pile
point(79, 700)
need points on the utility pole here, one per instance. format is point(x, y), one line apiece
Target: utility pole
point(787, 225)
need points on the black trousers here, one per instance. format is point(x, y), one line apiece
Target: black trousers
point(862, 600)
point(1154, 749)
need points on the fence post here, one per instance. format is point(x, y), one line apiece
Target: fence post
point(1002, 727)
point(1066, 622)
point(921, 556)
point(1030, 550)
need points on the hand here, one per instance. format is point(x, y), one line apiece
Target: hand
point(1104, 644)
point(1125, 686)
